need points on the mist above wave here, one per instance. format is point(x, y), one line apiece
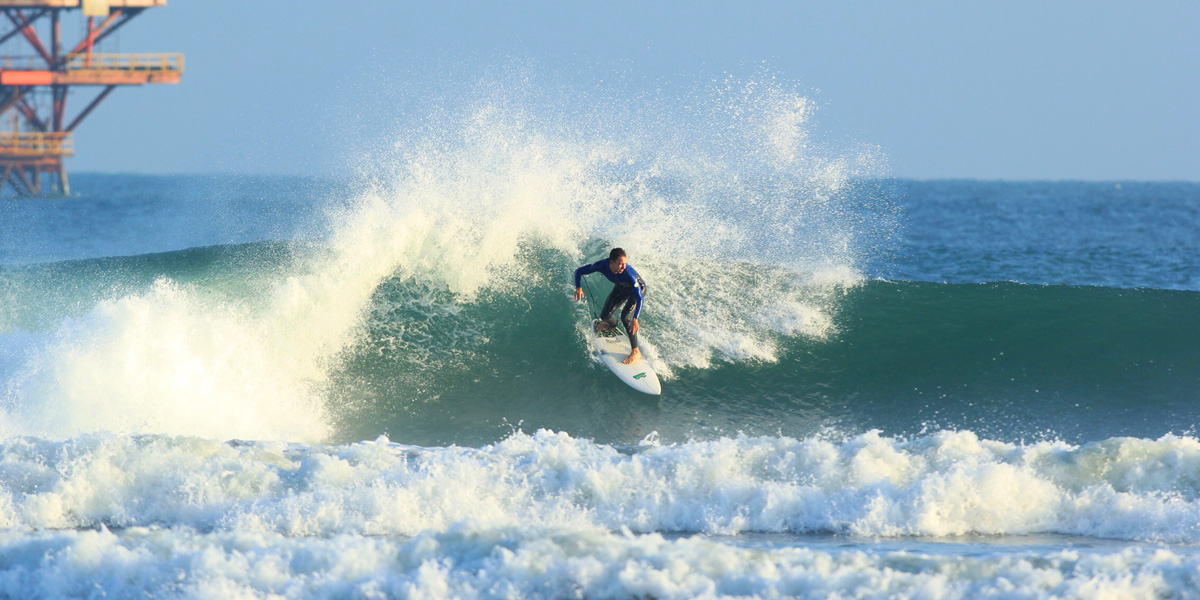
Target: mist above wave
point(731, 174)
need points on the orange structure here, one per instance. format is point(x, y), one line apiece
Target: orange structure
point(40, 136)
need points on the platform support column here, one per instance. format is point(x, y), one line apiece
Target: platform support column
point(64, 187)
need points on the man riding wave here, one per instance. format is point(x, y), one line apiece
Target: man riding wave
point(628, 288)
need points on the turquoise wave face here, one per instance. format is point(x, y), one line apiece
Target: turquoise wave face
point(39, 296)
point(1008, 360)
point(427, 366)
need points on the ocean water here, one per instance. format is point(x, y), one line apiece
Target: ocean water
point(378, 386)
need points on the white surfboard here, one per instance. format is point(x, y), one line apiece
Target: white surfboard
point(613, 346)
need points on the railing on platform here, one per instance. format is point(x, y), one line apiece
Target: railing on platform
point(170, 61)
point(78, 4)
point(27, 143)
point(21, 63)
point(167, 61)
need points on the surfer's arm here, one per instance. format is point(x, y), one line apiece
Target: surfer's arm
point(637, 310)
point(579, 273)
point(584, 270)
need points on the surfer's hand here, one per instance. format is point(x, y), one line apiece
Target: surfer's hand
point(633, 327)
point(578, 294)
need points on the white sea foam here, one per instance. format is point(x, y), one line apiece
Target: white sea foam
point(164, 361)
point(545, 515)
point(536, 562)
point(946, 484)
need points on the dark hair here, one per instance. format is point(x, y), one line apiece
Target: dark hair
point(615, 254)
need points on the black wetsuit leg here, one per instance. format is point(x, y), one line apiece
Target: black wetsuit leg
point(626, 319)
point(616, 297)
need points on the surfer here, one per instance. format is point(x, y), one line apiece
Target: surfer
point(628, 288)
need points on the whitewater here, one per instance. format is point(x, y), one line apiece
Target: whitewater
point(379, 387)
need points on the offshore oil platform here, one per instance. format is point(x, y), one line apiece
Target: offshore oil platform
point(35, 133)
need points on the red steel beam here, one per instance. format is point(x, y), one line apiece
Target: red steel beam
point(4, 179)
point(16, 183)
point(104, 30)
point(25, 180)
point(26, 26)
point(59, 92)
point(87, 111)
point(30, 114)
point(55, 38)
point(88, 77)
point(129, 13)
point(12, 98)
point(17, 30)
point(15, 77)
point(90, 40)
point(91, 25)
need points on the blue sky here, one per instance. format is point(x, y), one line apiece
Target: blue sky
point(1013, 90)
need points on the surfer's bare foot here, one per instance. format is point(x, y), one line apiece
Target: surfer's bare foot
point(633, 357)
point(602, 326)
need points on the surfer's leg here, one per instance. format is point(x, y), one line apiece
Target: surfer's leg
point(610, 304)
point(626, 319)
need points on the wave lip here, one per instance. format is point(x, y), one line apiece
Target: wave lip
point(491, 199)
point(945, 484)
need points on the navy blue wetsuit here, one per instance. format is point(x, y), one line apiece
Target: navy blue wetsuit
point(628, 288)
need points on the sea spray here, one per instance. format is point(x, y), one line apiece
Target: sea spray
point(733, 184)
point(730, 211)
point(165, 361)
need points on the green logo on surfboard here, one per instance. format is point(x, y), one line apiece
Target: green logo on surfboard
point(639, 376)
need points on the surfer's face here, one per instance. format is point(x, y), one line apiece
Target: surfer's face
point(617, 266)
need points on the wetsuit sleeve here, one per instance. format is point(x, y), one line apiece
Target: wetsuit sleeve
point(635, 280)
point(584, 270)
